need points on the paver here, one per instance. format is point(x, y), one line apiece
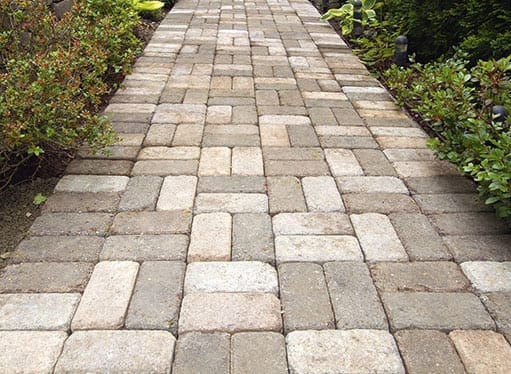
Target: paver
point(377, 238)
point(451, 203)
point(96, 224)
point(177, 193)
point(354, 299)
point(230, 312)
point(352, 351)
point(141, 193)
point(78, 202)
point(236, 276)
point(285, 195)
point(215, 161)
point(311, 224)
point(482, 351)
point(374, 162)
point(342, 162)
point(488, 276)
point(168, 222)
point(247, 161)
point(45, 277)
point(30, 351)
point(233, 184)
point(499, 304)
point(384, 203)
point(211, 237)
point(371, 184)
point(121, 351)
point(440, 184)
point(479, 248)
point(322, 194)
point(157, 296)
point(305, 299)
point(231, 202)
point(165, 167)
point(436, 311)
point(252, 238)
point(169, 153)
point(469, 224)
point(145, 247)
point(426, 351)
point(269, 355)
point(202, 353)
point(99, 167)
point(106, 297)
point(46, 311)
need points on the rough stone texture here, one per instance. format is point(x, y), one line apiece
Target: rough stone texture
point(353, 351)
point(211, 237)
point(92, 183)
point(165, 167)
point(215, 161)
point(258, 352)
point(157, 296)
point(230, 312)
point(483, 351)
point(436, 311)
point(237, 276)
point(304, 296)
point(117, 351)
point(317, 248)
point(87, 202)
point(499, 305)
point(427, 351)
point(342, 162)
point(233, 184)
point(30, 351)
point(420, 239)
point(469, 224)
point(285, 195)
point(488, 276)
point(141, 193)
point(37, 311)
point(378, 238)
point(105, 300)
point(202, 353)
point(45, 277)
point(322, 195)
point(354, 299)
point(252, 238)
point(480, 248)
point(71, 224)
point(451, 203)
point(99, 167)
point(311, 224)
point(374, 162)
point(152, 222)
point(438, 276)
point(247, 161)
point(384, 203)
point(177, 193)
point(371, 185)
point(440, 184)
point(57, 249)
point(231, 202)
point(145, 248)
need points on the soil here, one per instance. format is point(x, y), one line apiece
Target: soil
point(17, 208)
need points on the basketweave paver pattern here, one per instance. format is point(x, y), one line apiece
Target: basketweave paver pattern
point(267, 209)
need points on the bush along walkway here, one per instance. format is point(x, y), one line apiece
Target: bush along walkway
point(268, 208)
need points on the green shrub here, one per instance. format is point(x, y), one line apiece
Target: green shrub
point(54, 73)
point(457, 102)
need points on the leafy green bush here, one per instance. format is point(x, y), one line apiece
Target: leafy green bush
point(54, 73)
point(347, 18)
point(457, 102)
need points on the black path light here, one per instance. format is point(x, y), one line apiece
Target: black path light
point(401, 52)
point(358, 29)
point(499, 113)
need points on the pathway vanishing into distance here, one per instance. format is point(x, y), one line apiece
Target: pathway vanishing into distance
point(268, 208)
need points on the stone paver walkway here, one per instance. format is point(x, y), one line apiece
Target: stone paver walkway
point(268, 209)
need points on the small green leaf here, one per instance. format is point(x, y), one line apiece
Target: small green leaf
point(39, 199)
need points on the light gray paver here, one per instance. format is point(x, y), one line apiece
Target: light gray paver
point(91, 183)
point(231, 202)
point(378, 238)
point(236, 276)
point(483, 351)
point(211, 237)
point(322, 195)
point(215, 161)
point(499, 305)
point(157, 296)
point(202, 353)
point(117, 351)
point(352, 351)
point(304, 296)
point(30, 351)
point(354, 299)
point(177, 193)
point(258, 352)
point(371, 185)
point(145, 248)
point(37, 311)
point(106, 297)
point(247, 161)
point(342, 162)
point(487, 276)
point(169, 222)
point(230, 312)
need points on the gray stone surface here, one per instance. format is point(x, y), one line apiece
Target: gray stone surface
point(130, 223)
point(233, 184)
point(100, 167)
point(384, 203)
point(30, 351)
point(499, 306)
point(202, 353)
point(157, 296)
point(479, 248)
point(285, 195)
point(210, 239)
point(231, 202)
point(322, 195)
point(230, 312)
point(91, 183)
point(236, 276)
point(352, 351)
point(252, 238)
point(258, 352)
point(427, 351)
point(311, 224)
point(37, 311)
point(45, 277)
point(141, 193)
point(374, 162)
point(105, 300)
point(438, 276)
point(177, 193)
point(488, 276)
point(71, 224)
point(440, 184)
point(145, 248)
point(82, 202)
point(469, 224)
point(117, 351)
point(436, 311)
point(451, 203)
point(58, 249)
point(305, 299)
point(354, 299)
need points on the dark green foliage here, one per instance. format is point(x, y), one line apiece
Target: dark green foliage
point(456, 101)
point(54, 73)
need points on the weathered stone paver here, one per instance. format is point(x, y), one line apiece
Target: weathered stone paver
point(267, 208)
